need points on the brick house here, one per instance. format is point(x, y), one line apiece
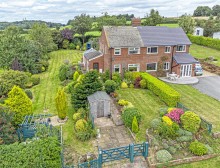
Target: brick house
point(152, 49)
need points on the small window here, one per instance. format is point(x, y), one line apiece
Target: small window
point(167, 49)
point(132, 50)
point(117, 68)
point(152, 66)
point(197, 32)
point(117, 51)
point(166, 66)
point(133, 67)
point(181, 48)
point(152, 50)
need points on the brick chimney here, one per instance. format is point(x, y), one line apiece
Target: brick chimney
point(136, 22)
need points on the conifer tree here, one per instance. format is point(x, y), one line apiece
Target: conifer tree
point(61, 104)
point(135, 125)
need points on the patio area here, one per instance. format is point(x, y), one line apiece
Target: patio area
point(181, 80)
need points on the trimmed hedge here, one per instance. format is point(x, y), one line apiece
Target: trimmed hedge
point(161, 89)
point(205, 41)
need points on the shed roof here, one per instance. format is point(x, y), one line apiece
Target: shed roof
point(97, 96)
point(184, 58)
point(92, 53)
point(160, 35)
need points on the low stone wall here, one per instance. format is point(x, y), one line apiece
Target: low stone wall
point(216, 135)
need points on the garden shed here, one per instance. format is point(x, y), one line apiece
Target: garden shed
point(99, 104)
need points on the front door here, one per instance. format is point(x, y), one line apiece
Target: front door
point(96, 66)
point(100, 109)
point(186, 70)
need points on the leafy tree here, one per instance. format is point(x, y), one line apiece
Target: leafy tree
point(57, 38)
point(61, 104)
point(42, 34)
point(187, 23)
point(89, 85)
point(65, 44)
point(209, 28)
point(215, 10)
point(19, 103)
point(81, 24)
point(202, 11)
point(153, 19)
point(67, 34)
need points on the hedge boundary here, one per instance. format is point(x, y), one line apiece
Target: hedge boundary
point(205, 41)
point(161, 89)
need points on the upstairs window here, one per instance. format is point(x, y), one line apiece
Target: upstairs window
point(152, 50)
point(167, 49)
point(132, 50)
point(117, 51)
point(181, 48)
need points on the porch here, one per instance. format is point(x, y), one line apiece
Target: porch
point(181, 80)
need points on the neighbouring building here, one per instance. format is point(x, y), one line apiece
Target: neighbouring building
point(152, 49)
point(198, 31)
point(216, 35)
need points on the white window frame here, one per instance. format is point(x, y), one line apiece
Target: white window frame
point(119, 66)
point(169, 49)
point(151, 63)
point(130, 49)
point(119, 51)
point(134, 65)
point(151, 52)
point(182, 50)
point(167, 66)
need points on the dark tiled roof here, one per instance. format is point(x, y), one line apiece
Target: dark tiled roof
point(91, 53)
point(99, 95)
point(158, 35)
point(123, 36)
point(184, 58)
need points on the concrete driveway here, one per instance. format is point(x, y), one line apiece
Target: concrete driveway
point(209, 85)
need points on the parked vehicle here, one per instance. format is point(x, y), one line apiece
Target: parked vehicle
point(198, 70)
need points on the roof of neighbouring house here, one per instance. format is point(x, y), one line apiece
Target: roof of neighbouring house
point(99, 95)
point(92, 53)
point(184, 58)
point(123, 36)
point(142, 36)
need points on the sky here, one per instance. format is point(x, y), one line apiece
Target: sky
point(61, 11)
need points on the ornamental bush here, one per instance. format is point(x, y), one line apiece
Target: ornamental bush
point(35, 79)
point(117, 78)
point(76, 117)
point(168, 131)
point(137, 82)
point(61, 104)
point(191, 121)
point(143, 84)
point(29, 94)
point(123, 102)
point(167, 120)
point(155, 123)
point(163, 156)
point(110, 86)
point(124, 85)
point(75, 75)
point(184, 139)
point(135, 125)
point(198, 148)
point(81, 125)
point(128, 114)
point(175, 114)
point(161, 89)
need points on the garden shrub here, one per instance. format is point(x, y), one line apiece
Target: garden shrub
point(210, 149)
point(137, 82)
point(61, 104)
point(143, 84)
point(76, 117)
point(135, 125)
point(19, 103)
point(128, 115)
point(163, 156)
point(198, 148)
point(175, 114)
point(155, 123)
point(131, 76)
point(167, 120)
point(161, 89)
point(123, 102)
point(106, 75)
point(172, 150)
point(182, 132)
point(131, 85)
point(110, 86)
point(72, 46)
point(124, 85)
point(75, 75)
point(168, 131)
point(117, 78)
point(35, 79)
point(170, 109)
point(191, 121)
point(29, 94)
point(66, 71)
point(81, 125)
point(184, 138)
point(165, 145)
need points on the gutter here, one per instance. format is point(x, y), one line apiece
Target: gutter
point(173, 60)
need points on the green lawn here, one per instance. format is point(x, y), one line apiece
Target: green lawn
point(169, 25)
point(204, 52)
point(147, 103)
point(205, 106)
point(45, 92)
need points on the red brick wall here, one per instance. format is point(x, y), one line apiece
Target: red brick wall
point(99, 60)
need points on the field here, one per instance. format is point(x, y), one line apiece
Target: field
point(147, 103)
point(203, 105)
point(169, 25)
point(45, 92)
point(203, 52)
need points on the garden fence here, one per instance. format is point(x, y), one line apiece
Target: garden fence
point(92, 119)
point(204, 123)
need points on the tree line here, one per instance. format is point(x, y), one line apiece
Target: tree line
point(207, 11)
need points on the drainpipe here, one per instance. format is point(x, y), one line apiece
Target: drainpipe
point(172, 59)
point(111, 60)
